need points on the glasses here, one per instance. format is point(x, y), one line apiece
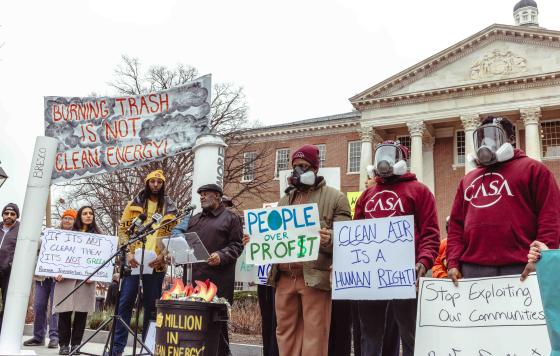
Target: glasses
point(9, 213)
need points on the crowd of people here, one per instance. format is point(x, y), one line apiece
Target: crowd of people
point(504, 213)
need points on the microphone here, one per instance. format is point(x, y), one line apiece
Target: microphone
point(156, 218)
point(189, 208)
point(136, 223)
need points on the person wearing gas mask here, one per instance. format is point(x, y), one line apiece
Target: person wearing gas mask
point(397, 193)
point(500, 208)
point(303, 290)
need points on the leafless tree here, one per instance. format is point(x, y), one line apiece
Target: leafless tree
point(109, 193)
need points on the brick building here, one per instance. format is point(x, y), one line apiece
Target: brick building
point(433, 107)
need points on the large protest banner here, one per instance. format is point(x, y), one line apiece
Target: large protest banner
point(483, 316)
point(98, 135)
point(75, 255)
point(283, 234)
point(374, 259)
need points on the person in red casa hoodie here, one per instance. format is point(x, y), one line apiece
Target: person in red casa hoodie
point(397, 193)
point(500, 208)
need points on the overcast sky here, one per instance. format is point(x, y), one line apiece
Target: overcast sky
point(295, 59)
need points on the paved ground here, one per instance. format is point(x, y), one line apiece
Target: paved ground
point(97, 347)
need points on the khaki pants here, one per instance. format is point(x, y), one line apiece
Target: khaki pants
point(303, 317)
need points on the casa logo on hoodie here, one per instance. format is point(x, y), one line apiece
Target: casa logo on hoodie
point(487, 190)
point(384, 204)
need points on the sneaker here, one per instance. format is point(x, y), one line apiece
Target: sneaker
point(33, 342)
point(64, 350)
point(74, 347)
point(53, 344)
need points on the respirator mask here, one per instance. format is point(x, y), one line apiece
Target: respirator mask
point(491, 144)
point(389, 160)
point(302, 177)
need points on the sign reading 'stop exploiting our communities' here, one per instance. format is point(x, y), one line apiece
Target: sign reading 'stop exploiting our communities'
point(102, 134)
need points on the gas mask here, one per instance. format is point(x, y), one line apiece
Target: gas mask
point(299, 177)
point(491, 144)
point(389, 160)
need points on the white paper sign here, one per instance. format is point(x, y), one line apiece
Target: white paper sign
point(283, 234)
point(75, 255)
point(245, 272)
point(374, 259)
point(331, 175)
point(483, 316)
point(149, 256)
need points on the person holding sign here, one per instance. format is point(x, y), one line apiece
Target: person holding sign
point(149, 201)
point(501, 207)
point(303, 298)
point(82, 301)
point(397, 193)
point(44, 290)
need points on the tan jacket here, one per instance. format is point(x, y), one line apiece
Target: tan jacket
point(333, 206)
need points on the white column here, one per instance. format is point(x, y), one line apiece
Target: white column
point(428, 158)
point(531, 117)
point(470, 123)
point(208, 167)
point(416, 129)
point(38, 186)
point(366, 157)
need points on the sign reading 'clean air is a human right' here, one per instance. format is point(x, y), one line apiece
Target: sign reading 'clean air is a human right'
point(283, 234)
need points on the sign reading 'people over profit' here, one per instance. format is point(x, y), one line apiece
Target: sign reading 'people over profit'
point(482, 316)
point(374, 259)
point(98, 135)
point(75, 255)
point(283, 234)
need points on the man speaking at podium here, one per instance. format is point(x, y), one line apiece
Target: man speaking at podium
point(220, 231)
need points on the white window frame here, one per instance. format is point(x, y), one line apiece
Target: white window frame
point(276, 171)
point(455, 147)
point(348, 157)
point(245, 166)
point(552, 158)
point(323, 156)
point(398, 138)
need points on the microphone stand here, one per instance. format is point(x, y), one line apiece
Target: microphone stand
point(123, 270)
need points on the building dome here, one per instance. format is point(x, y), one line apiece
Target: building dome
point(526, 13)
point(524, 3)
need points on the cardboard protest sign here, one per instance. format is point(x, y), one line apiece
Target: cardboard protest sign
point(98, 135)
point(353, 199)
point(549, 285)
point(283, 234)
point(331, 175)
point(374, 259)
point(483, 316)
point(75, 255)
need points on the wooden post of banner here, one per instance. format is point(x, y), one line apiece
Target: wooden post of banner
point(48, 211)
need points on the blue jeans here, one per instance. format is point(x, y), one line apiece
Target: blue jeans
point(44, 292)
point(151, 292)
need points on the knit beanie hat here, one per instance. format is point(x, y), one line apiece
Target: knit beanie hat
point(308, 153)
point(158, 173)
point(71, 213)
point(12, 207)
